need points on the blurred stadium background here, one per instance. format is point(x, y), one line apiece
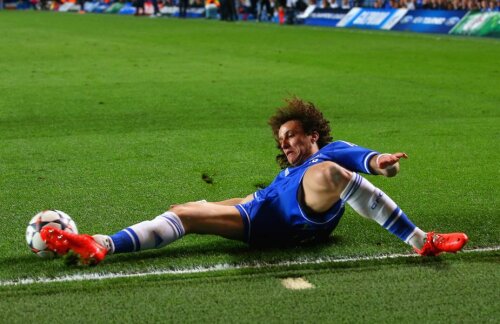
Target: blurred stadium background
point(462, 17)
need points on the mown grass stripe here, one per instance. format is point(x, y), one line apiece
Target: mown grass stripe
point(214, 268)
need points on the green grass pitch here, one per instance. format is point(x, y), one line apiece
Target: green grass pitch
point(112, 119)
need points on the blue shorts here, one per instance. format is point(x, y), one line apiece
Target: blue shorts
point(276, 218)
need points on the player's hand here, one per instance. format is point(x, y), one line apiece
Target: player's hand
point(386, 160)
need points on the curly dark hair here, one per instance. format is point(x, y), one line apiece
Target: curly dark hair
point(308, 115)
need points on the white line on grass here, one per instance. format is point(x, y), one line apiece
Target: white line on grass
point(214, 268)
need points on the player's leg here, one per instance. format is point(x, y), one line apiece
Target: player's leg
point(200, 218)
point(211, 218)
point(325, 183)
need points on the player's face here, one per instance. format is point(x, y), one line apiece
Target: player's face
point(295, 143)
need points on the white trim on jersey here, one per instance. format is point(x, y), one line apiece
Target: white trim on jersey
point(366, 162)
point(249, 221)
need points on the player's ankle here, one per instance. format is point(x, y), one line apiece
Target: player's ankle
point(417, 239)
point(105, 241)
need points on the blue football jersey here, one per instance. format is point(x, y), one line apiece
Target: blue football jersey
point(275, 214)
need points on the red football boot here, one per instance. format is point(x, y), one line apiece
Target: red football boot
point(84, 246)
point(438, 243)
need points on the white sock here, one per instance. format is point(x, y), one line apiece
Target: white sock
point(417, 239)
point(373, 203)
point(155, 233)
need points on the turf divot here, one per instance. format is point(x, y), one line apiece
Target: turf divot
point(296, 283)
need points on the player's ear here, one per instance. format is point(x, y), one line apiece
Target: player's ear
point(314, 137)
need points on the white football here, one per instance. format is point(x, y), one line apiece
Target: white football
point(52, 218)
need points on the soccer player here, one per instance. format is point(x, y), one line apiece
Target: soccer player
point(304, 203)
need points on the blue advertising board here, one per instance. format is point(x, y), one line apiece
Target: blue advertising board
point(369, 18)
point(325, 17)
point(430, 21)
point(191, 12)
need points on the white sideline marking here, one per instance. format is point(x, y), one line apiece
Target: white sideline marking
point(296, 283)
point(214, 268)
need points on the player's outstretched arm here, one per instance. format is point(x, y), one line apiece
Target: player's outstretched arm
point(387, 164)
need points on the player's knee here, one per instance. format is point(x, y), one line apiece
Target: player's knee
point(188, 215)
point(182, 211)
point(331, 176)
point(323, 184)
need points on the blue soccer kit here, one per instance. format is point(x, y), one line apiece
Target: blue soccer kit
point(275, 215)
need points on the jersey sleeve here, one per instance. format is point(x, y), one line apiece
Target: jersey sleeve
point(350, 156)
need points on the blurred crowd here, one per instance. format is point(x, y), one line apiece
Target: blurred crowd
point(267, 9)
